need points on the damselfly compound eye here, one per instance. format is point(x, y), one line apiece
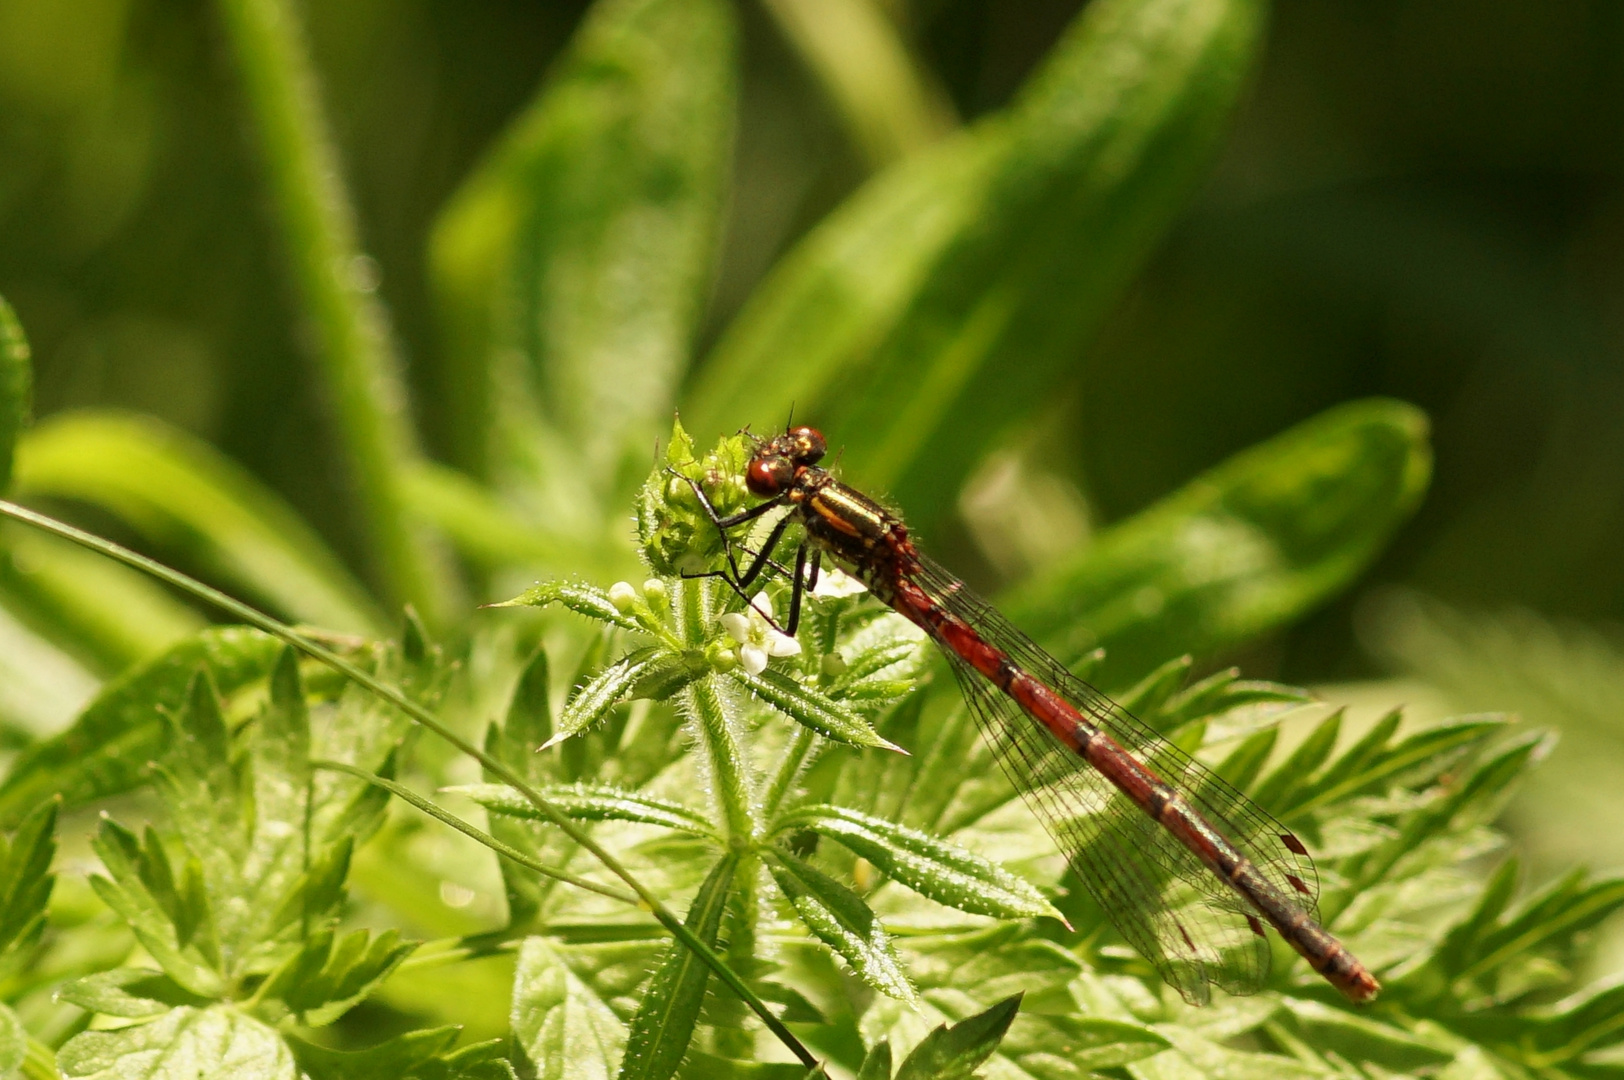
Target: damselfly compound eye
point(768, 476)
point(806, 445)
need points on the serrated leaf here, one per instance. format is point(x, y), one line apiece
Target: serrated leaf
point(106, 751)
point(135, 993)
point(589, 802)
point(16, 389)
point(664, 1023)
point(583, 599)
point(330, 975)
point(181, 492)
point(1250, 545)
point(565, 1030)
point(954, 1052)
point(807, 706)
point(840, 919)
point(604, 691)
point(935, 868)
point(183, 1044)
point(25, 876)
point(127, 893)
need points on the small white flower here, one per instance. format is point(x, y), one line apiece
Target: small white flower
point(623, 596)
point(757, 638)
point(834, 583)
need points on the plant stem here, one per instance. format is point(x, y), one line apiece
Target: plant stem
point(355, 354)
point(439, 813)
point(427, 719)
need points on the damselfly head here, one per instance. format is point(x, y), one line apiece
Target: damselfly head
point(775, 462)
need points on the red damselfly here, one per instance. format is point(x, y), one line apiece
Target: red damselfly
point(1184, 865)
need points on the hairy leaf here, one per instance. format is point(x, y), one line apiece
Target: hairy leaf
point(664, 1024)
point(589, 802)
point(841, 919)
point(944, 872)
point(805, 705)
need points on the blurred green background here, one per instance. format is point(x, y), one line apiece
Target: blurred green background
point(1418, 198)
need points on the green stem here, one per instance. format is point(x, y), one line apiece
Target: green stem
point(253, 617)
point(355, 354)
point(726, 757)
point(440, 814)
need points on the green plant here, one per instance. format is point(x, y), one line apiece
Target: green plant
point(298, 903)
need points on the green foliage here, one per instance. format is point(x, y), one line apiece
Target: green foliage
point(16, 389)
point(822, 811)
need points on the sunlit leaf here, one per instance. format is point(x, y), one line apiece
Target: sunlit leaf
point(1250, 545)
point(183, 1044)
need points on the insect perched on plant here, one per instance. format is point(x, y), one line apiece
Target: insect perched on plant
point(1183, 864)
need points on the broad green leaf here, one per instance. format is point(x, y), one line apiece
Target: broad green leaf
point(947, 298)
point(134, 993)
point(889, 104)
point(16, 389)
point(591, 229)
point(43, 685)
point(565, 1030)
point(805, 705)
point(105, 612)
point(589, 802)
point(484, 529)
point(1248, 546)
point(183, 1044)
point(664, 1024)
point(13, 1040)
point(955, 1052)
point(26, 880)
point(946, 873)
point(107, 749)
point(840, 919)
point(181, 493)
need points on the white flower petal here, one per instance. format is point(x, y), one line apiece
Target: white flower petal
point(834, 583)
point(737, 625)
point(761, 606)
point(782, 645)
point(753, 658)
